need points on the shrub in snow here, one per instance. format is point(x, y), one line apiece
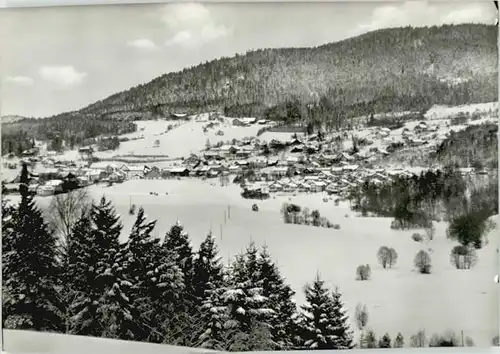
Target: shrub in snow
point(399, 341)
point(363, 272)
point(418, 340)
point(369, 340)
point(417, 237)
point(469, 342)
point(448, 339)
point(361, 316)
point(423, 262)
point(495, 341)
point(385, 341)
point(463, 257)
point(387, 257)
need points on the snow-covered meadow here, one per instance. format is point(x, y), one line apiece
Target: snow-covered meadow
point(398, 300)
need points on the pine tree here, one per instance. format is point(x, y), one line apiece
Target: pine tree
point(385, 341)
point(257, 303)
point(370, 340)
point(399, 341)
point(236, 296)
point(248, 307)
point(342, 330)
point(208, 288)
point(78, 276)
point(8, 217)
point(323, 324)
point(105, 307)
point(208, 269)
point(279, 299)
point(30, 267)
point(177, 240)
point(187, 314)
point(216, 316)
point(165, 288)
point(139, 260)
point(118, 317)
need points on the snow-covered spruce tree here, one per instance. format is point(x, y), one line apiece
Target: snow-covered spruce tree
point(8, 212)
point(279, 297)
point(399, 341)
point(219, 329)
point(78, 275)
point(323, 322)
point(30, 269)
point(187, 314)
point(208, 269)
point(177, 240)
point(235, 296)
point(106, 305)
point(209, 288)
point(165, 289)
point(247, 306)
point(342, 330)
point(385, 341)
point(139, 260)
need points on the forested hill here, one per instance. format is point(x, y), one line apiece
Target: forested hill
point(386, 70)
point(407, 67)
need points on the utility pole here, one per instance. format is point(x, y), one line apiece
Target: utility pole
point(221, 231)
point(229, 211)
point(462, 332)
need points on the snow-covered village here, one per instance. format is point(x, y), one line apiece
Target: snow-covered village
point(217, 213)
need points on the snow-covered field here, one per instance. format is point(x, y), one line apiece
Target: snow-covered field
point(398, 299)
point(440, 112)
point(181, 141)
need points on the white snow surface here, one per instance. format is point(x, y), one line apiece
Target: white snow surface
point(398, 299)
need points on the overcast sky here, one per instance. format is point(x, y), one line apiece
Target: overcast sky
point(62, 58)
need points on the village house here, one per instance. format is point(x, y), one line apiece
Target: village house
point(30, 152)
point(243, 153)
point(276, 186)
point(292, 160)
point(235, 169)
point(178, 115)
point(152, 172)
point(228, 151)
point(212, 155)
point(272, 162)
point(276, 144)
point(350, 168)
point(297, 148)
point(274, 173)
point(343, 157)
point(179, 172)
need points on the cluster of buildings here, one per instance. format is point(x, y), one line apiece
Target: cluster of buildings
point(301, 164)
point(334, 180)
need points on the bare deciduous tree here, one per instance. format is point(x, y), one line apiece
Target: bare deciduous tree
point(361, 316)
point(387, 256)
point(418, 340)
point(64, 211)
point(430, 232)
point(448, 339)
point(393, 257)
